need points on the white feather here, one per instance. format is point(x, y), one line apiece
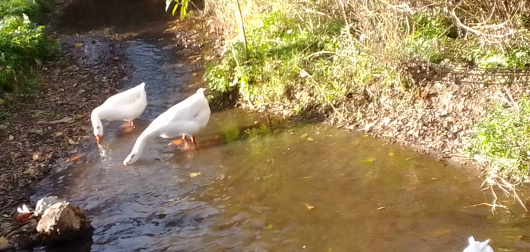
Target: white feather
point(125, 106)
point(185, 118)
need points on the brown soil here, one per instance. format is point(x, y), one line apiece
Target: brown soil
point(437, 115)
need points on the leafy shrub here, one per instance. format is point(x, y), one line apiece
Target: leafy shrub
point(22, 44)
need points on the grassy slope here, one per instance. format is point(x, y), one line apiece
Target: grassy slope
point(304, 57)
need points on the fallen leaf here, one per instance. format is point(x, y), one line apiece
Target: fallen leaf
point(391, 154)
point(58, 134)
point(76, 158)
point(78, 44)
point(29, 171)
point(380, 208)
point(369, 160)
point(194, 174)
point(35, 157)
point(64, 120)
point(3, 240)
point(11, 137)
point(356, 143)
point(2, 101)
point(303, 135)
point(270, 226)
point(309, 207)
point(310, 139)
point(71, 141)
point(442, 232)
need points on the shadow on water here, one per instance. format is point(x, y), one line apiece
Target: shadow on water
point(308, 188)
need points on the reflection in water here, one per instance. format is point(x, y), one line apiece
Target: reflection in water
point(102, 153)
point(281, 192)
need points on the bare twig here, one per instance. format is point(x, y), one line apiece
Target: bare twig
point(511, 31)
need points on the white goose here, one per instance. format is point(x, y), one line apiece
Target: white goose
point(185, 118)
point(125, 106)
point(477, 246)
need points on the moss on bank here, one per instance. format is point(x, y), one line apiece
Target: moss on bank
point(23, 44)
point(334, 57)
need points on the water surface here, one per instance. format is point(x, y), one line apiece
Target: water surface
point(253, 187)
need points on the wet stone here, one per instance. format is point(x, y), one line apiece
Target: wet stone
point(63, 221)
point(5, 226)
point(6, 247)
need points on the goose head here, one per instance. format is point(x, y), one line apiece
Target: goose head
point(97, 125)
point(131, 158)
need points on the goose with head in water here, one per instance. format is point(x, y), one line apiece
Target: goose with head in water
point(125, 106)
point(185, 118)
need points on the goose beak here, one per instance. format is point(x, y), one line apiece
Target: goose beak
point(99, 139)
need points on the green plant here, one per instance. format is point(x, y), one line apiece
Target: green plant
point(183, 7)
point(502, 140)
point(23, 45)
point(279, 46)
point(256, 132)
point(32, 8)
point(429, 40)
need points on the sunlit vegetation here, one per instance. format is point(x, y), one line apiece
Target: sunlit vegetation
point(502, 140)
point(23, 44)
point(316, 56)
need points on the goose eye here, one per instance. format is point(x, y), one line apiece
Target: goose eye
point(97, 127)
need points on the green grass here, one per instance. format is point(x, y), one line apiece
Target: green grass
point(33, 8)
point(502, 141)
point(282, 48)
point(303, 56)
point(434, 39)
point(23, 44)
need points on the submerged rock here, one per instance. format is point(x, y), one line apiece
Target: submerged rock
point(63, 221)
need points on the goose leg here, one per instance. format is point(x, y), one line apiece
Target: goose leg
point(128, 124)
point(193, 139)
point(179, 141)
